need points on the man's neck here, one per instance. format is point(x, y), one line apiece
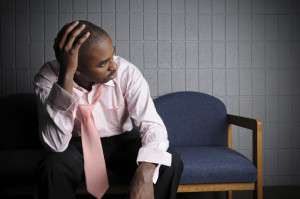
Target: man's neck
point(84, 84)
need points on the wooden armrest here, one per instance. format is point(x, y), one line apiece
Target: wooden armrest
point(249, 123)
point(256, 126)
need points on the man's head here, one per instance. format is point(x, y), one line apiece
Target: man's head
point(95, 56)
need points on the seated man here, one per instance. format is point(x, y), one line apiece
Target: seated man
point(88, 94)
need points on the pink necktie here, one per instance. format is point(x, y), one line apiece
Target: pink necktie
point(94, 163)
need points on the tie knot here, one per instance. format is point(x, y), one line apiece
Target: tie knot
point(85, 110)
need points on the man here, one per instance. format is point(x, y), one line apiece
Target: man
point(85, 68)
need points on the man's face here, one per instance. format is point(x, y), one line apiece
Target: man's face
point(99, 66)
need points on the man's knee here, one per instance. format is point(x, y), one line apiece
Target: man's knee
point(169, 177)
point(176, 167)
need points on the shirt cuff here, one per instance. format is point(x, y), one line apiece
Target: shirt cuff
point(59, 98)
point(156, 174)
point(156, 157)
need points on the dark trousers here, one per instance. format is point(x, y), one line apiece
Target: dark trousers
point(60, 173)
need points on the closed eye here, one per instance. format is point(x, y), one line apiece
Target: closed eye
point(103, 63)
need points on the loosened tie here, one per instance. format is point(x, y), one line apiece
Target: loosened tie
point(94, 162)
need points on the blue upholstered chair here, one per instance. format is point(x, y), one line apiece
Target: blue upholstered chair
point(199, 129)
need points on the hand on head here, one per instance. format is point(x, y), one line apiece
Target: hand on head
point(66, 45)
point(85, 53)
point(66, 48)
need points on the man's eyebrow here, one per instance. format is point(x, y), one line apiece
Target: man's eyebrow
point(104, 61)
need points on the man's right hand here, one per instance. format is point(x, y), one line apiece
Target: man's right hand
point(66, 51)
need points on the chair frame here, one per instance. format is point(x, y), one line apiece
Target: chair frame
point(256, 126)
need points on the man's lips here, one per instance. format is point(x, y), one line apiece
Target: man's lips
point(112, 75)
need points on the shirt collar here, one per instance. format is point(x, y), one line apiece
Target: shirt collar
point(110, 83)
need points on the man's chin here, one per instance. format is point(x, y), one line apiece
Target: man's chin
point(102, 81)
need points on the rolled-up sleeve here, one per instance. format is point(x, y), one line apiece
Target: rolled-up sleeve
point(57, 112)
point(153, 131)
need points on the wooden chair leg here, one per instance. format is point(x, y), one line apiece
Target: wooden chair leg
point(229, 195)
point(258, 193)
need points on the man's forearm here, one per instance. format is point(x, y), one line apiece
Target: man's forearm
point(65, 80)
point(146, 170)
point(142, 182)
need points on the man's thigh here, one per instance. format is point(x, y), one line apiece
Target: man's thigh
point(122, 159)
point(68, 163)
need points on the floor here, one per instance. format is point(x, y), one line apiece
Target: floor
point(269, 192)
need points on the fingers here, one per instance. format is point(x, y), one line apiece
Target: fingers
point(60, 34)
point(63, 39)
point(69, 40)
point(56, 42)
point(81, 41)
point(72, 36)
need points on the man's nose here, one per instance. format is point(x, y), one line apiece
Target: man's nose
point(113, 65)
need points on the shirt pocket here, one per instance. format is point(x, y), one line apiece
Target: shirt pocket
point(116, 115)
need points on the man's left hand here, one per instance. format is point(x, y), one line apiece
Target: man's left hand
point(141, 186)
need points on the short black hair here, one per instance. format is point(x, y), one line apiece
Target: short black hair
point(97, 34)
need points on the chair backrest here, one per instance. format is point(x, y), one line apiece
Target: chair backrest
point(193, 119)
point(19, 122)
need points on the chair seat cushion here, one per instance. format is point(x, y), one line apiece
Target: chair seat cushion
point(215, 165)
point(18, 166)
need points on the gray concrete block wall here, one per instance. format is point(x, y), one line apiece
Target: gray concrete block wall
point(244, 52)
